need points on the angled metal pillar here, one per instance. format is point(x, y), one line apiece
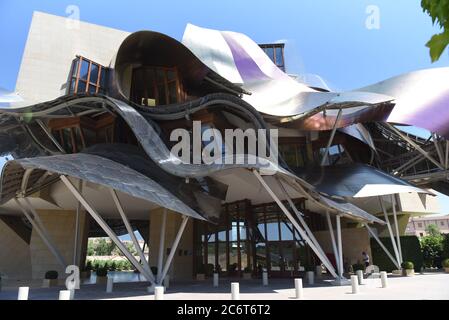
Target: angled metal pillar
point(446, 158)
point(334, 244)
point(111, 234)
point(390, 231)
point(382, 246)
point(160, 259)
point(301, 232)
point(77, 226)
point(130, 230)
point(438, 148)
point(414, 145)
point(174, 247)
point(50, 136)
point(331, 138)
point(340, 246)
point(37, 224)
point(302, 221)
point(396, 226)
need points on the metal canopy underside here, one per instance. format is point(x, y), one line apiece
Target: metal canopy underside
point(94, 169)
point(355, 181)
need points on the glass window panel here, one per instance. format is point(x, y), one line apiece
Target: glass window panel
point(233, 235)
point(288, 255)
point(74, 72)
point(92, 89)
point(81, 86)
point(94, 73)
point(261, 229)
point(233, 258)
point(286, 231)
point(279, 58)
point(72, 85)
point(172, 92)
point(211, 253)
point(104, 78)
point(211, 237)
point(245, 253)
point(272, 231)
point(84, 69)
point(242, 230)
point(275, 257)
point(161, 94)
point(261, 256)
point(270, 53)
point(222, 235)
point(171, 75)
point(222, 256)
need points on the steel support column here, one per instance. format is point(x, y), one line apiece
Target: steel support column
point(340, 246)
point(390, 231)
point(331, 138)
point(160, 259)
point(111, 234)
point(174, 247)
point(40, 229)
point(334, 244)
point(301, 232)
point(382, 246)
point(396, 227)
point(128, 227)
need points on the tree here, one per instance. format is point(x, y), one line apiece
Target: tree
point(432, 246)
point(439, 12)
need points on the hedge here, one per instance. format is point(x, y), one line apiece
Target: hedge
point(411, 251)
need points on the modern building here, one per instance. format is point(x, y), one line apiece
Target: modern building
point(98, 112)
point(418, 226)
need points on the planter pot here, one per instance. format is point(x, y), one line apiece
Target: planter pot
point(201, 277)
point(247, 275)
point(86, 274)
point(446, 270)
point(408, 272)
point(48, 283)
point(101, 280)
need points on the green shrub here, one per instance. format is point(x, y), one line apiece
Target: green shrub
point(52, 275)
point(408, 265)
point(411, 251)
point(102, 272)
point(445, 263)
point(88, 266)
point(445, 253)
point(432, 248)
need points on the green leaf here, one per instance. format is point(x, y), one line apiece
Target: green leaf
point(437, 45)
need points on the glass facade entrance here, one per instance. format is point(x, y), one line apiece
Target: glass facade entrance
point(250, 238)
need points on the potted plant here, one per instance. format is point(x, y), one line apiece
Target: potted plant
point(247, 273)
point(446, 265)
point(201, 273)
point(102, 275)
point(87, 270)
point(50, 279)
point(408, 268)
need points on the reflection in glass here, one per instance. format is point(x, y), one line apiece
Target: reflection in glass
point(94, 73)
point(272, 231)
point(279, 58)
point(84, 69)
point(275, 257)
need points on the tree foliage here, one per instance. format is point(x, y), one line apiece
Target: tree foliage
point(439, 12)
point(432, 246)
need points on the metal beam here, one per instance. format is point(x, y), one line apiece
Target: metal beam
point(382, 246)
point(331, 138)
point(111, 234)
point(48, 133)
point(390, 231)
point(396, 226)
point(174, 247)
point(130, 230)
point(438, 148)
point(302, 221)
point(414, 145)
point(77, 226)
point(160, 259)
point(334, 244)
point(301, 232)
point(43, 234)
point(340, 246)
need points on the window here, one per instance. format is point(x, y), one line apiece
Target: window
point(419, 225)
point(276, 53)
point(442, 223)
point(152, 86)
point(87, 76)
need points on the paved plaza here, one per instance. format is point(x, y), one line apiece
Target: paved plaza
point(430, 286)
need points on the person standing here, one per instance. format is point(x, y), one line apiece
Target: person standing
point(365, 258)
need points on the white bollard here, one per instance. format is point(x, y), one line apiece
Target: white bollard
point(215, 280)
point(23, 293)
point(298, 288)
point(109, 285)
point(167, 282)
point(265, 278)
point(310, 277)
point(235, 291)
point(64, 295)
point(355, 284)
point(360, 276)
point(383, 279)
point(159, 293)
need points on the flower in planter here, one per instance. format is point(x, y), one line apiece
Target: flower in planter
point(102, 272)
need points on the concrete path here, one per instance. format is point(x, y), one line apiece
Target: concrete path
point(430, 286)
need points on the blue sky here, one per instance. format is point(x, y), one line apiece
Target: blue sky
point(324, 37)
